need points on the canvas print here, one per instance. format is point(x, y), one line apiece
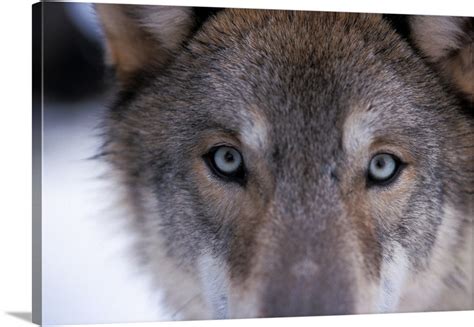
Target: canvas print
point(216, 163)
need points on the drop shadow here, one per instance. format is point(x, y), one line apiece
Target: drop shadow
point(26, 316)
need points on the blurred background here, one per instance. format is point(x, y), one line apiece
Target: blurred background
point(88, 275)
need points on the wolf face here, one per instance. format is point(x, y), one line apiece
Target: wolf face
point(292, 163)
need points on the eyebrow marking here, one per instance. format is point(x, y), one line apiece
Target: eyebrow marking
point(255, 130)
point(358, 129)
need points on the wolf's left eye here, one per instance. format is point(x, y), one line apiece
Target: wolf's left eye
point(227, 163)
point(383, 168)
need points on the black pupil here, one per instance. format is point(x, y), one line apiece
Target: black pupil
point(229, 157)
point(380, 163)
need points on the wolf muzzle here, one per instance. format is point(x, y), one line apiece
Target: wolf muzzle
point(304, 270)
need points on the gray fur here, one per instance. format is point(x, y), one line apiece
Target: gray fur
point(302, 80)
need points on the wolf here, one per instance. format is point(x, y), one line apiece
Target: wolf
point(293, 163)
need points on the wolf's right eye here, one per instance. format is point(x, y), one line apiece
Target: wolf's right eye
point(383, 168)
point(227, 163)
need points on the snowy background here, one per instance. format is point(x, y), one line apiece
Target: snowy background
point(88, 273)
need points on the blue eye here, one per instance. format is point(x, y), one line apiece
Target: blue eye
point(227, 163)
point(227, 159)
point(383, 168)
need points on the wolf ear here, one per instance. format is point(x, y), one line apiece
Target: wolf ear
point(140, 36)
point(447, 43)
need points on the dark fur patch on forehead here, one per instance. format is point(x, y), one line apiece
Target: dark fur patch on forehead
point(399, 24)
point(202, 14)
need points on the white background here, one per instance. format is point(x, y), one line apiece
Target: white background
point(89, 276)
point(15, 163)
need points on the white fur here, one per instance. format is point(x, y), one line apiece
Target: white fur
point(358, 130)
point(427, 290)
point(169, 24)
point(215, 284)
point(393, 276)
point(183, 294)
point(438, 35)
point(255, 131)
